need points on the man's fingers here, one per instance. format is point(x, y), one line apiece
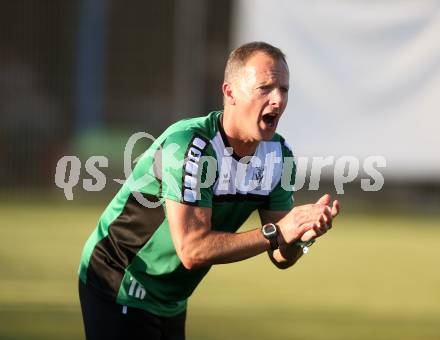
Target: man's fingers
point(322, 222)
point(311, 220)
point(303, 229)
point(324, 200)
point(328, 216)
point(335, 208)
point(322, 226)
point(309, 235)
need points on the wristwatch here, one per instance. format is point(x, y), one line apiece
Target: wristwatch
point(270, 232)
point(305, 245)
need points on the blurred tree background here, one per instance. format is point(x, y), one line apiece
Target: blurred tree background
point(79, 77)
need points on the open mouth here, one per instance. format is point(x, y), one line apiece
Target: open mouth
point(270, 119)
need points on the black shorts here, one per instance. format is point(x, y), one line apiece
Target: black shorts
point(105, 319)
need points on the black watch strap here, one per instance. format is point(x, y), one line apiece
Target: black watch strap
point(274, 243)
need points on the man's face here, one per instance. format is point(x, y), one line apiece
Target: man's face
point(261, 94)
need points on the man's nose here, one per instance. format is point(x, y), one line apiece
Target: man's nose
point(276, 98)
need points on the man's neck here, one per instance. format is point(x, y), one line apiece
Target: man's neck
point(240, 143)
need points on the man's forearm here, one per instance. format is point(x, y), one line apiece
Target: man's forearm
point(216, 247)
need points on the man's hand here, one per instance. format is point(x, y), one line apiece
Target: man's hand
point(310, 221)
point(306, 222)
point(322, 226)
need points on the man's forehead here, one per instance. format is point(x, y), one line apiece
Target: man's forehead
point(266, 68)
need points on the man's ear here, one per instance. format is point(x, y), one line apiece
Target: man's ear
point(228, 93)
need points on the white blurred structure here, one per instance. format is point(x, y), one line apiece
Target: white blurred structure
point(365, 77)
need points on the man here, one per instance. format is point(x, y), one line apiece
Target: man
point(141, 264)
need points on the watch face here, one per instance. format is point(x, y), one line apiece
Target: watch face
point(269, 229)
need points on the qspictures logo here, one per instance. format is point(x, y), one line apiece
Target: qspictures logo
point(193, 171)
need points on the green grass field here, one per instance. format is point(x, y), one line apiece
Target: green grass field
point(372, 277)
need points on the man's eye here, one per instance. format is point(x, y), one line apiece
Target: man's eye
point(265, 88)
point(284, 89)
